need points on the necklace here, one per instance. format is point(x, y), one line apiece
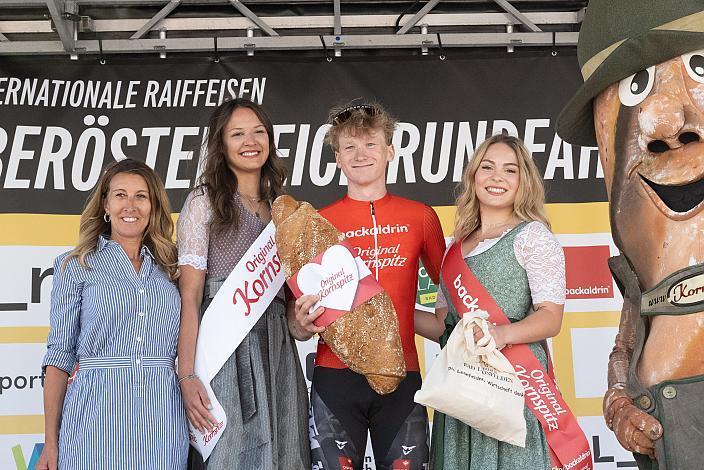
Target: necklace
point(489, 230)
point(250, 198)
point(495, 226)
point(505, 222)
point(256, 202)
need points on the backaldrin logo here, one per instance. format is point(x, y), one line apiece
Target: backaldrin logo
point(587, 270)
point(21, 463)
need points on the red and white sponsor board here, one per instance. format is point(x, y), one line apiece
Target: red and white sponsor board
point(589, 285)
point(587, 272)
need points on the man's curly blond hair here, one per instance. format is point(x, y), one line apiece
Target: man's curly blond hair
point(357, 117)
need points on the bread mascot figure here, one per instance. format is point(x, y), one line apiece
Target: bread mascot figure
point(642, 103)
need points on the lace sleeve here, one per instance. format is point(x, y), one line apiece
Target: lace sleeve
point(192, 230)
point(541, 255)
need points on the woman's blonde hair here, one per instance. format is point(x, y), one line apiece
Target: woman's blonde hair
point(160, 228)
point(530, 197)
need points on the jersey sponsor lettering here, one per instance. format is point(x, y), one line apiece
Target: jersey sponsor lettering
point(387, 229)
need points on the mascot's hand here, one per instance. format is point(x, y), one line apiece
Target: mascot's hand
point(635, 429)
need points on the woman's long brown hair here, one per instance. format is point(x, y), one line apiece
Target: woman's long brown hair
point(220, 182)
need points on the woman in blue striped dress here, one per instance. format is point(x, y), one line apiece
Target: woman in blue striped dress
point(115, 310)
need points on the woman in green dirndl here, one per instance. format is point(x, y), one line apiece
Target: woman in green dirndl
point(506, 242)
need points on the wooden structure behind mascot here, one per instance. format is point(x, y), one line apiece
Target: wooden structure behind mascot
point(642, 102)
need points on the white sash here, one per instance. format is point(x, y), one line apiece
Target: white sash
point(244, 296)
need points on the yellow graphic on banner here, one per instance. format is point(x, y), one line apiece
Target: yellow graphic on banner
point(41, 229)
point(22, 424)
point(590, 217)
point(24, 334)
point(62, 230)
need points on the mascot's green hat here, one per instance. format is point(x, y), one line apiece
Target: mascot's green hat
point(619, 38)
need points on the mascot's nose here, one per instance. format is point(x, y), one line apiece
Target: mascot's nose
point(662, 123)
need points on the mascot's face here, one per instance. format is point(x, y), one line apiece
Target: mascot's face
point(650, 131)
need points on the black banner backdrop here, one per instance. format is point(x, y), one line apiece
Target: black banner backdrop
point(61, 122)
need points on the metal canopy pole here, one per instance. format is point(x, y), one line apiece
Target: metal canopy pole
point(337, 28)
point(161, 14)
point(338, 20)
point(255, 19)
point(511, 10)
point(65, 28)
point(464, 20)
point(362, 41)
point(417, 17)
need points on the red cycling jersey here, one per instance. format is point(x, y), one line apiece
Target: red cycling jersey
point(405, 232)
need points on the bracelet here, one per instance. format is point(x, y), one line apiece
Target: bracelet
point(187, 377)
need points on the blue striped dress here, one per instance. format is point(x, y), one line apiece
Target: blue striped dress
point(123, 410)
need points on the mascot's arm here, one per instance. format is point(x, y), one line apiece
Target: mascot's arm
point(620, 357)
point(634, 428)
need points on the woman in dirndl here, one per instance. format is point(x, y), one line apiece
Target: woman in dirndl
point(507, 243)
point(261, 386)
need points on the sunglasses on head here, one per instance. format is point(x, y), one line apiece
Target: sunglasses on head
point(347, 112)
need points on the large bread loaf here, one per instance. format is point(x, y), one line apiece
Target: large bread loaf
point(366, 339)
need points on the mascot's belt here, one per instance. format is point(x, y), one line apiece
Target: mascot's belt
point(680, 293)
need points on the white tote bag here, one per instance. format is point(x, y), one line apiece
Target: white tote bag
point(476, 384)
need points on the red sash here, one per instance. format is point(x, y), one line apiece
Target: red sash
point(569, 449)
